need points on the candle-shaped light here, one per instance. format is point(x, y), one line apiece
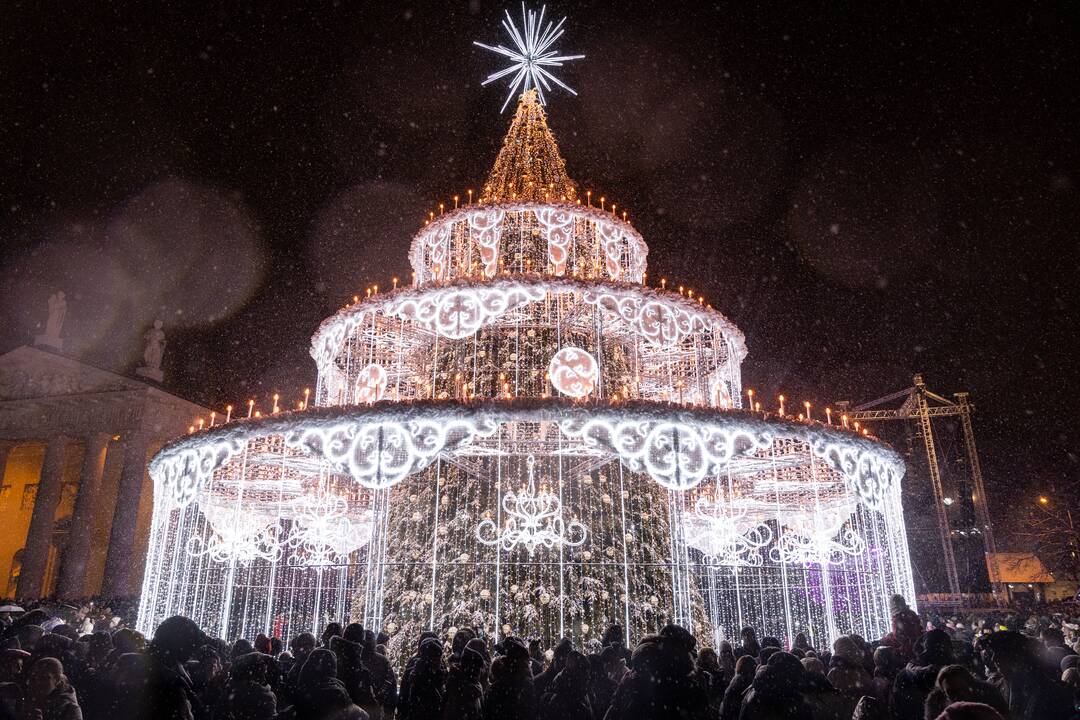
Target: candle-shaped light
point(470, 196)
point(455, 202)
point(828, 415)
point(307, 394)
point(844, 421)
point(213, 418)
point(807, 406)
point(201, 421)
point(251, 406)
point(228, 413)
point(276, 396)
point(781, 406)
point(395, 281)
point(750, 397)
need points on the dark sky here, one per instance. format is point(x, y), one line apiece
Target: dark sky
point(866, 193)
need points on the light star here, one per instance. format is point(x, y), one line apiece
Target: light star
point(533, 55)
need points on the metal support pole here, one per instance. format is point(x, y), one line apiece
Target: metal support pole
point(923, 416)
point(978, 497)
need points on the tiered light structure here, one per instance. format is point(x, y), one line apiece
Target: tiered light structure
point(528, 353)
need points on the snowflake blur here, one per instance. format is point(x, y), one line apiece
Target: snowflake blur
point(533, 520)
point(528, 439)
point(532, 56)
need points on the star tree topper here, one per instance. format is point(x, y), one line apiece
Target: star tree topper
point(533, 54)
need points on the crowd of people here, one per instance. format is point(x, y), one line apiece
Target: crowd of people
point(995, 666)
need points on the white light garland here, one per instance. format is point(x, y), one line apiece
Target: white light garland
point(726, 538)
point(534, 519)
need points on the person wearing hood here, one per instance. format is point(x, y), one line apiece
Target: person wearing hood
point(1029, 689)
point(407, 675)
point(558, 662)
point(367, 674)
point(567, 697)
point(427, 682)
point(248, 696)
point(955, 683)
point(49, 695)
point(464, 696)
point(913, 684)
point(512, 695)
point(776, 691)
point(320, 695)
point(745, 670)
point(302, 646)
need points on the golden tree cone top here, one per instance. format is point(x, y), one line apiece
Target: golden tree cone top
point(529, 166)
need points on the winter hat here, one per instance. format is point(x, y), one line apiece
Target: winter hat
point(515, 648)
point(813, 665)
point(847, 648)
point(470, 657)
point(431, 649)
point(241, 647)
point(564, 647)
point(1069, 661)
point(897, 605)
point(478, 646)
point(321, 663)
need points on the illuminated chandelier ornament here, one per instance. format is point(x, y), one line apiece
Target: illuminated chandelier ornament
point(532, 56)
point(322, 532)
point(825, 537)
point(535, 520)
point(727, 539)
point(238, 536)
point(370, 384)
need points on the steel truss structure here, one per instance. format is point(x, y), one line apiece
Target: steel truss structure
point(919, 407)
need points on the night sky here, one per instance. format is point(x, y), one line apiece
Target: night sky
point(865, 193)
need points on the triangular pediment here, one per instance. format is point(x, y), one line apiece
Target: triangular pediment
point(31, 372)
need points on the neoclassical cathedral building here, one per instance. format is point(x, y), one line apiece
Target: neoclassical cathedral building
point(75, 498)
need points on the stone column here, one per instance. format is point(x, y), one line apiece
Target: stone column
point(119, 561)
point(42, 521)
point(73, 567)
point(5, 450)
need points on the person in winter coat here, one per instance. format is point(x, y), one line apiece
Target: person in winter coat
point(512, 695)
point(367, 674)
point(558, 662)
point(750, 646)
point(731, 706)
point(887, 666)
point(777, 691)
point(846, 671)
point(713, 677)
point(49, 695)
point(913, 684)
point(427, 684)
point(955, 683)
point(567, 697)
point(319, 693)
point(601, 683)
point(1029, 690)
point(169, 694)
point(906, 629)
point(824, 700)
point(407, 674)
point(248, 696)
point(302, 645)
point(464, 696)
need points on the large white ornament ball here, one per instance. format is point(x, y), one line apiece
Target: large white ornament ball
point(506, 629)
point(370, 384)
point(586, 555)
point(513, 588)
point(653, 600)
point(485, 593)
point(451, 632)
point(584, 628)
point(391, 628)
point(573, 372)
point(544, 598)
point(549, 654)
point(416, 517)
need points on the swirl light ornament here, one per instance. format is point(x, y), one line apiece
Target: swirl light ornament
point(533, 520)
point(573, 372)
point(726, 538)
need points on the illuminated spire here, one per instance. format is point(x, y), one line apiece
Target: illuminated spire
point(529, 166)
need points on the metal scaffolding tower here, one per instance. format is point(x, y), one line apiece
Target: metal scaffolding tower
point(920, 406)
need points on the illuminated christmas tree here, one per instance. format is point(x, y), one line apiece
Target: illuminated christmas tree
point(529, 439)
